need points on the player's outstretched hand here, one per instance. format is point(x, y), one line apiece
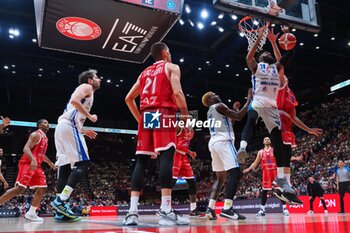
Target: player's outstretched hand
point(193, 154)
point(5, 121)
point(245, 171)
point(272, 36)
point(316, 131)
point(90, 133)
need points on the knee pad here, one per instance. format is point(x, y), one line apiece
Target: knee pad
point(191, 186)
point(79, 170)
point(137, 178)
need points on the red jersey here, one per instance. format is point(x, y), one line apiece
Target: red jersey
point(155, 88)
point(182, 143)
point(268, 161)
point(39, 150)
point(286, 103)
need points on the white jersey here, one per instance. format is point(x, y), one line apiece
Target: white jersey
point(73, 116)
point(266, 81)
point(223, 133)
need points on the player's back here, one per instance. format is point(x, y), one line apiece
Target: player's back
point(266, 81)
point(222, 133)
point(155, 88)
point(286, 100)
point(39, 150)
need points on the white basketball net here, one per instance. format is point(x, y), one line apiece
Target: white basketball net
point(250, 28)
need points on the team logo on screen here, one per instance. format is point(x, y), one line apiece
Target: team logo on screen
point(78, 28)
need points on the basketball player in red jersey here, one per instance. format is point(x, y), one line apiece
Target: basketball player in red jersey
point(182, 167)
point(161, 95)
point(30, 174)
point(269, 172)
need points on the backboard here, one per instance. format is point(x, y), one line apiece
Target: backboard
point(301, 14)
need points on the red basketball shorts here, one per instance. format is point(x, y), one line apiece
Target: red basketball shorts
point(32, 179)
point(268, 176)
point(182, 167)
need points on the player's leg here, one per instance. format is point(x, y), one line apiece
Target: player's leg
point(137, 184)
point(38, 196)
point(263, 203)
point(22, 181)
point(229, 157)
point(285, 211)
point(192, 192)
point(214, 194)
point(247, 132)
point(9, 194)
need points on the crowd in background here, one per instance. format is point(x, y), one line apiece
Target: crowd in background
point(109, 176)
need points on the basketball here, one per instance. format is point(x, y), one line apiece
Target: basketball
point(287, 41)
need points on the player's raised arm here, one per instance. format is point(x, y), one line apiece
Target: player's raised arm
point(251, 63)
point(314, 131)
point(175, 75)
point(232, 114)
point(130, 100)
point(272, 37)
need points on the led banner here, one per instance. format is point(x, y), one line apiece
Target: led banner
point(119, 30)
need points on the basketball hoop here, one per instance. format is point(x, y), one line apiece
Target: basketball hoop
point(250, 28)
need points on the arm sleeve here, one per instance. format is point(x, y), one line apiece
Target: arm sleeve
point(287, 58)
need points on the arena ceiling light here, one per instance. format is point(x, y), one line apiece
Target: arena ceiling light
point(237, 75)
point(121, 80)
point(340, 85)
point(181, 21)
point(273, 25)
point(6, 67)
point(187, 8)
point(229, 100)
point(234, 17)
point(208, 62)
point(13, 66)
point(317, 47)
point(191, 23)
point(219, 71)
point(349, 44)
point(204, 14)
point(13, 71)
point(246, 69)
point(200, 25)
point(333, 38)
point(227, 65)
point(40, 69)
point(315, 35)
point(221, 15)
point(11, 36)
point(117, 85)
point(301, 44)
point(14, 31)
point(199, 68)
point(220, 29)
point(241, 34)
point(213, 23)
point(294, 30)
point(109, 81)
point(40, 75)
point(182, 60)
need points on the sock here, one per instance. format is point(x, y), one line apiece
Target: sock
point(134, 201)
point(166, 204)
point(193, 206)
point(280, 172)
point(284, 207)
point(288, 179)
point(262, 207)
point(243, 145)
point(212, 204)
point(228, 204)
point(65, 194)
point(32, 210)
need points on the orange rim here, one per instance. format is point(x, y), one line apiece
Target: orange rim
point(252, 30)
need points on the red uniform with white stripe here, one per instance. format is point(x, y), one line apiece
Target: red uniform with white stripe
point(33, 179)
point(286, 103)
point(269, 168)
point(181, 166)
point(156, 94)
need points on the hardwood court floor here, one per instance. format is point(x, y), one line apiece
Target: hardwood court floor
point(299, 223)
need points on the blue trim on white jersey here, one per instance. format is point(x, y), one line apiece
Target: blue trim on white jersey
point(234, 152)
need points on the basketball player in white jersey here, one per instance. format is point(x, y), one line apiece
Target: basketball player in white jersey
point(223, 153)
point(72, 153)
point(266, 83)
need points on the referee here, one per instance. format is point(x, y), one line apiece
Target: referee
point(343, 182)
point(314, 189)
